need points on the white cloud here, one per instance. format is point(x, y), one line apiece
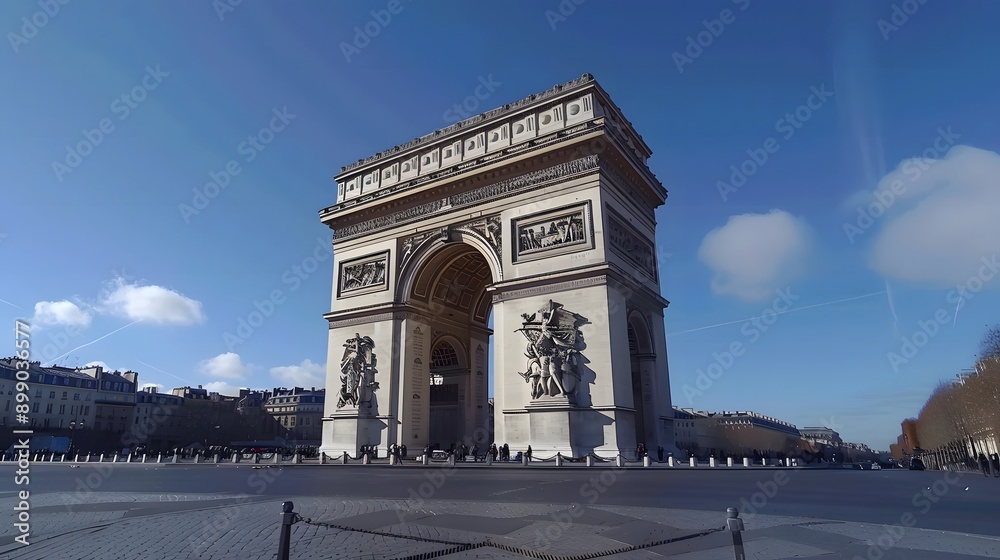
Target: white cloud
point(226, 366)
point(223, 388)
point(153, 304)
point(944, 221)
point(755, 254)
point(307, 374)
point(60, 313)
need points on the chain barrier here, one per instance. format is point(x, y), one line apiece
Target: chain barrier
point(455, 546)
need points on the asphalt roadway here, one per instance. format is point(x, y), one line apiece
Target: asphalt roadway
point(962, 502)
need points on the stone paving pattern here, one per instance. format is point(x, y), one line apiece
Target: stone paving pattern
point(111, 525)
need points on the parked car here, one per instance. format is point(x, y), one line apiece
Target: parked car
point(916, 465)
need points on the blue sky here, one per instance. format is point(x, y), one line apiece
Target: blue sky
point(117, 261)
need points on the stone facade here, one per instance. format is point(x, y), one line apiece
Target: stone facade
point(537, 215)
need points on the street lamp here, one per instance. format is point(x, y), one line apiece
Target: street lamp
point(72, 429)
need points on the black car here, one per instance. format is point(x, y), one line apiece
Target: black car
point(916, 465)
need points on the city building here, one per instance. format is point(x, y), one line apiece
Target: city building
point(740, 434)
point(300, 412)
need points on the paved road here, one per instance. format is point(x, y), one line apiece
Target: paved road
point(945, 501)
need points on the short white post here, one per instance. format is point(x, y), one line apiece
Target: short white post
point(670, 461)
point(645, 461)
point(590, 460)
point(746, 461)
point(559, 459)
point(729, 461)
point(693, 461)
point(711, 462)
point(619, 461)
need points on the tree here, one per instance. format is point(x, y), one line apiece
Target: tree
point(989, 346)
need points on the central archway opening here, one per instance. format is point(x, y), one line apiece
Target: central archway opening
point(451, 289)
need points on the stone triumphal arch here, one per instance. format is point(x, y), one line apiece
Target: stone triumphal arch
point(539, 214)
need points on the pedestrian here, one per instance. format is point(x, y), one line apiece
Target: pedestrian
point(404, 450)
point(506, 453)
point(528, 453)
point(659, 453)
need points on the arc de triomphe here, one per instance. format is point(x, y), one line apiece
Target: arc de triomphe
point(540, 213)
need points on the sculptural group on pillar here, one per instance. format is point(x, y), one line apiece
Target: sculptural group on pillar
point(357, 371)
point(553, 351)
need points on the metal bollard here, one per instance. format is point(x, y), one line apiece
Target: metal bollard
point(590, 460)
point(559, 459)
point(693, 462)
point(729, 461)
point(670, 461)
point(524, 459)
point(645, 460)
point(285, 536)
point(746, 461)
point(735, 525)
point(711, 462)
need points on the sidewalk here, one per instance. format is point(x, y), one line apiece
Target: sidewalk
point(217, 526)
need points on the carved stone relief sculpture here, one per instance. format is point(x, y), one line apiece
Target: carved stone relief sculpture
point(553, 352)
point(357, 372)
